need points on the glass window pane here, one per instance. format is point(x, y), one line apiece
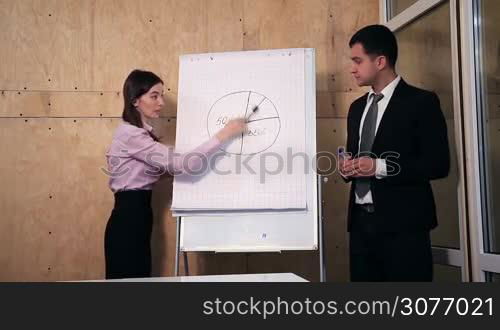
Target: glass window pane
point(398, 6)
point(492, 277)
point(489, 45)
point(425, 61)
point(445, 273)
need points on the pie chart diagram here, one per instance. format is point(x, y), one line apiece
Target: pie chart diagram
point(263, 125)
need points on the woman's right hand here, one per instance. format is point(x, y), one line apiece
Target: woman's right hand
point(233, 128)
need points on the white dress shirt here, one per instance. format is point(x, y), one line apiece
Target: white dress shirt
point(381, 168)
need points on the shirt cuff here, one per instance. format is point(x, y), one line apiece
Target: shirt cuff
point(380, 168)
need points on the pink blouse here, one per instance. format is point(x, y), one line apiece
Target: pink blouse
point(135, 161)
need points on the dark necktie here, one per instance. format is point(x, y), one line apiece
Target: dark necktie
point(367, 137)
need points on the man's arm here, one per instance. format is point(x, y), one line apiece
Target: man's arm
point(433, 159)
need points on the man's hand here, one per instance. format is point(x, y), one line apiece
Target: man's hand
point(362, 167)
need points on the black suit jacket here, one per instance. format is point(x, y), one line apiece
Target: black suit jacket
point(412, 137)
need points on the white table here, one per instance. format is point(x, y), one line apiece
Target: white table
point(276, 277)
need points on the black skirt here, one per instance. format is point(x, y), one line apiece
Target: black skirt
point(127, 239)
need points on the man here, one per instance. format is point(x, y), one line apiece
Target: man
point(396, 143)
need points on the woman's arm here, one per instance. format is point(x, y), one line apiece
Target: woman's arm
point(142, 147)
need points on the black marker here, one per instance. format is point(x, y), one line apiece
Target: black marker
point(254, 110)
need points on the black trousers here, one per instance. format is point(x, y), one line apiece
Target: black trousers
point(127, 239)
point(387, 256)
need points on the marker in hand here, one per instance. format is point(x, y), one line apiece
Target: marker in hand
point(342, 156)
point(340, 152)
point(254, 110)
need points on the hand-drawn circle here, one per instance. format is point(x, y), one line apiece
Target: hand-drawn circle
point(218, 108)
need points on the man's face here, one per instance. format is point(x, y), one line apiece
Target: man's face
point(364, 67)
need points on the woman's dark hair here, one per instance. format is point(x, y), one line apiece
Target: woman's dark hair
point(377, 40)
point(137, 84)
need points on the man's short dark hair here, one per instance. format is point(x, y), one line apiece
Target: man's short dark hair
point(377, 40)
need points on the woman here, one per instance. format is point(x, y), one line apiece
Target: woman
point(133, 171)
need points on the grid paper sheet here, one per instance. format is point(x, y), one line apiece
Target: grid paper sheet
point(262, 169)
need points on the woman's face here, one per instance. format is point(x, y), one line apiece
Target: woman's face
point(151, 103)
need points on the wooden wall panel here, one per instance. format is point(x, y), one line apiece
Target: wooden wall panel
point(81, 200)
point(289, 24)
point(334, 105)
point(57, 198)
point(96, 104)
point(24, 104)
point(49, 44)
point(332, 133)
point(24, 195)
point(224, 25)
point(68, 104)
point(149, 35)
point(86, 104)
point(345, 18)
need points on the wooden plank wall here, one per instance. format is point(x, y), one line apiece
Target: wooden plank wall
point(63, 63)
